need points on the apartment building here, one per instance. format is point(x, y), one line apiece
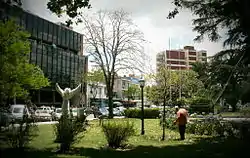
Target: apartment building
point(181, 59)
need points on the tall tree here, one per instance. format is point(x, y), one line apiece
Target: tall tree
point(231, 16)
point(115, 43)
point(72, 8)
point(17, 75)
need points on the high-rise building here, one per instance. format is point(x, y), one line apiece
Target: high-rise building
point(55, 48)
point(181, 59)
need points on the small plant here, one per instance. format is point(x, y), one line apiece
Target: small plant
point(117, 132)
point(68, 131)
point(19, 135)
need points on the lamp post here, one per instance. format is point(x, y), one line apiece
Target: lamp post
point(142, 84)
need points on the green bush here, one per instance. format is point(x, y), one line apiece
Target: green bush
point(200, 108)
point(68, 131)
point(148, 113)
point(117, 132)
point(245, 112)
point(19, 135)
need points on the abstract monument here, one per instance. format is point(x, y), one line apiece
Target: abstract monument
point(67, 94)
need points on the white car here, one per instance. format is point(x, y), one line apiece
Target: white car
point(19, 111)
point(57, 114)
point(43, 115)
point(45, 108)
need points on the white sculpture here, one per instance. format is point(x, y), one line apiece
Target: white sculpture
point(67, 94)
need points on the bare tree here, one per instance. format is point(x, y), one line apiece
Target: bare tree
point(115, 43)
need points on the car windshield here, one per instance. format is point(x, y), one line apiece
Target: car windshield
point(58, 110)
point(18, 110)
point(74, 110)
point(39, 108)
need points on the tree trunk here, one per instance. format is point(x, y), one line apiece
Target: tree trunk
point(110, 103)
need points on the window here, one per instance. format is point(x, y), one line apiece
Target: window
point(63, 36)
point(34, 25)
point(204, 54)
point(66, 37)
point(192, 53)
point(40, 28)
point(71, 39)
point(59, 35)
point(55, 33)
point(29, 23)
point(39, 55)
point(45, 58)
point(192, 58)
point(75, 41)
point(23, 19)
point(45, 30)
point(50, 32)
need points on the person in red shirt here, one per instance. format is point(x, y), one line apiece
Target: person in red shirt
point(181, 121)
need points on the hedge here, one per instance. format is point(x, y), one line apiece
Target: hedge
point(148, 113)
point(200, 109)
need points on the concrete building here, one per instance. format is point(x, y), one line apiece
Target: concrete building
point(181, 59)
point(55, 48)
point(122, 84)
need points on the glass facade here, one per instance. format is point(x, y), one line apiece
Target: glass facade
point(54, 48)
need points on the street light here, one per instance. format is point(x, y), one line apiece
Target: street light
point(142, 84)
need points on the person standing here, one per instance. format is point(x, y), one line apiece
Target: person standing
point(181, 121)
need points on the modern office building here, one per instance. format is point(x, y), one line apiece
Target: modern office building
point(55, 48)
point(181, 59)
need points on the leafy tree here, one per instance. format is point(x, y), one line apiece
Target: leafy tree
point(93, 79)
point(72, 8)
point(132, 91)
point(115, 43)
point(17, 75)
point(183, 84)
point(232, 16)
point(153, 94)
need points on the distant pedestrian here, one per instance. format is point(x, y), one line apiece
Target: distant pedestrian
point(181, 121)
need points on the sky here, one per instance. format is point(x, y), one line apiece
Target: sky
point(150, 18)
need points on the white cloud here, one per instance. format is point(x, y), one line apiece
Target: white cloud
point(150, 16)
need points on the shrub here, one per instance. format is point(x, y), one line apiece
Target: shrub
point(68, 131)
point(200, 109)
point(245, 112)
point(117, 132)
point(19, 135)
point(148, 113)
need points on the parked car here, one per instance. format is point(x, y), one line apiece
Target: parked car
point(45, 108)
point(43, 115)
point(57, 114)
point(19, 111)
point(74, 112)
point(104, 111)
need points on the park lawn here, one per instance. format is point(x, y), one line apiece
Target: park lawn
point(231, 114)
point(147, 146)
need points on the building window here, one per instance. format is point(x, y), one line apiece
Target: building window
point(50, 33)
point(55, 33)
point(192, 58)
point(45, 30)
point(192, 53)
point(40, 28)
point(204, 54)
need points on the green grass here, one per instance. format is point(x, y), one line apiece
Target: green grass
point(147, 146)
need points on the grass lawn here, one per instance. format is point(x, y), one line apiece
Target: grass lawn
point(231, 114)
point(147, 146)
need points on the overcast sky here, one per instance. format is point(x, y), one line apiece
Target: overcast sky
point(150, 16)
